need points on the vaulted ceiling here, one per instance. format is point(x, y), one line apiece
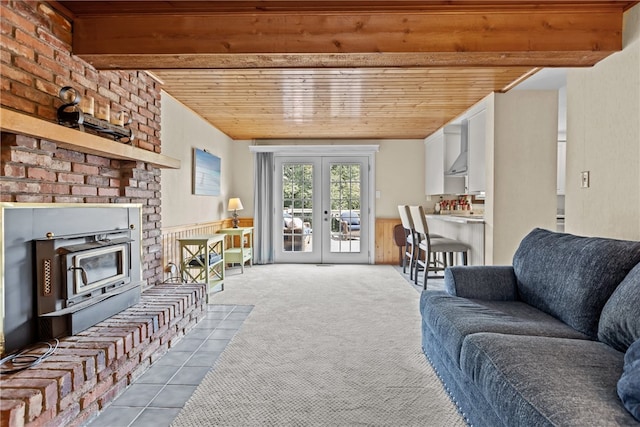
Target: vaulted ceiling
point(340, 69)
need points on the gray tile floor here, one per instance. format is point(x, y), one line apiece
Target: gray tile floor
point(157, 397)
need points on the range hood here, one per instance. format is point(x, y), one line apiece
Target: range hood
point(459, 166)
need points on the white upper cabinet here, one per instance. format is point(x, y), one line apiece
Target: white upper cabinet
point(477, 132)
point(441, 150)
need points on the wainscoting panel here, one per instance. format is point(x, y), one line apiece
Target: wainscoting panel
point(386, 249)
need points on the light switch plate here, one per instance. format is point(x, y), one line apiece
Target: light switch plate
point(584, 181)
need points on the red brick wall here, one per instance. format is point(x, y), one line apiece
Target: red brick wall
point(90, 369)
point(36, 61)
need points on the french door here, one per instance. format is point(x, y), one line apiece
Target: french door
point(322, 209)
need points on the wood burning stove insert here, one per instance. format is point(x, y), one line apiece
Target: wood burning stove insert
point(65, 267)
point(83, 279)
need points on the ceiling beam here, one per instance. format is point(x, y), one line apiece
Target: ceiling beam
point(533, 36)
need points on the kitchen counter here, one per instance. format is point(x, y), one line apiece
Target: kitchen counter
point(465, 228)
point(462, 219)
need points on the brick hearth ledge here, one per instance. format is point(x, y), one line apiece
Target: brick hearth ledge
point(90, 369)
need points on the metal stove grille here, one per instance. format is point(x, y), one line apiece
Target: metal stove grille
point(46, 277)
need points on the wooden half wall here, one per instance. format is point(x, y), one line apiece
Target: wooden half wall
point(386, 250)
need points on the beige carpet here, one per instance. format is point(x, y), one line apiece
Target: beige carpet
point(324, 346)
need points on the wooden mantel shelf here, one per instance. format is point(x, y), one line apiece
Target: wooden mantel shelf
point(14, 122)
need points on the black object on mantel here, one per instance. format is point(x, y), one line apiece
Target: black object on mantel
point(71, 115)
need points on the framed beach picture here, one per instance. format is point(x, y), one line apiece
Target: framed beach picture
point(206, 173)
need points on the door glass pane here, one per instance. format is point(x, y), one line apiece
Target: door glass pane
point(345, 207)
point(297, 196)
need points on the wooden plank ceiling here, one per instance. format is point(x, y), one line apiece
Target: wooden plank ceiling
point(304, 69)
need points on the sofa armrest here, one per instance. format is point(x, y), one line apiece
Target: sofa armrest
point(496, 283)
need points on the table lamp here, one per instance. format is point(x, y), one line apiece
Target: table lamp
point(235, 205)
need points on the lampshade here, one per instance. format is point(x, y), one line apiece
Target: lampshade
point(235, 204)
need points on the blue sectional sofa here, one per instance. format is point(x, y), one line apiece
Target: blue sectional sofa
point(541, 342)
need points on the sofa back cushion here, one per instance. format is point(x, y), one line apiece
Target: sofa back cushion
point(572, 277)
point(620, 320)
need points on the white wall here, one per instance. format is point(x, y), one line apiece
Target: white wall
point(400, 176)
point(603, 137)
point(521, 153)
point(182, 131)
point(399, 171)
point(242, 176)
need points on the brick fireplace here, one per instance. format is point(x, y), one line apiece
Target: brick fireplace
point(107, 333)
point(92, 367)
point(36, 62)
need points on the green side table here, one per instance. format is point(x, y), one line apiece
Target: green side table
point(241, 252)
point(202, 260)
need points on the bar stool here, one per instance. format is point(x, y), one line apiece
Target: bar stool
point(431, 247)
point(409, 232)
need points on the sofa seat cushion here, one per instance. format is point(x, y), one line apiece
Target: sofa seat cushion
point(546, 381)
point(572, 277)
point(453, 318)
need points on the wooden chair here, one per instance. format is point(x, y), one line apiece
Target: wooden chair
point(400, 239)
point(434, 253)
